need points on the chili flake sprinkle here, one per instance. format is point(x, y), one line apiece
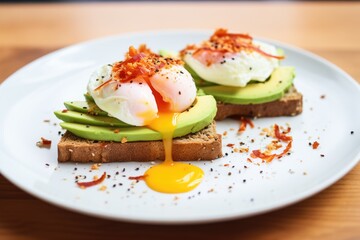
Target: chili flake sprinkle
point(221, 44)
point(137, 178)
point(44, 143)
point(92, 183)
point(139, 63)
point(243, 123)
point(315, 145)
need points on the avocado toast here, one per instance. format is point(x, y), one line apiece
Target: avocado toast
point(92, 136)
point(243, 75)
point(132, 106)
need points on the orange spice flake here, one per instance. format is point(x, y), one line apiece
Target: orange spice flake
point(230, 145)
point(274, 145)
point(138, 178)
point(92, 183)
point(243, 123)
point(281, 136)
point(95, 166)
point(44, 143)
point(315, 145)
point(244, 149)
point(269, 157)
point(140, 62)
point(222, 43)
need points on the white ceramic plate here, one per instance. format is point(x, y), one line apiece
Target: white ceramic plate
point(30, 96)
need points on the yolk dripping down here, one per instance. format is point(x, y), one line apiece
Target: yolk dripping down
point(170, 176)
point(141, 63)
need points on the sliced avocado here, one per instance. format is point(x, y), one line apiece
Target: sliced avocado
point(272, 89)
point(85, 107)
point(192, 120)
point(84, 118)
point(88, 97)
point(111, 134)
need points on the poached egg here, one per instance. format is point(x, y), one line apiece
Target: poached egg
point(232, 59)
point(148, 90)
point(134, 101)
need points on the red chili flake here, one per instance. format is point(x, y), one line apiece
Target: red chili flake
point(281, 136)
point(44, 143)
point(92, 183)
point(244, 123)
point(249, 160)
point(315, 145)
point(226, 165)
point(287, 130)
point(117, 130)
point(286, 150)
point(142, 177)
point(222, 43)
point(104, 84)
point(269, 158)
point(64, 111)
point(265, 157)
point(242, 127)
point(230, 145)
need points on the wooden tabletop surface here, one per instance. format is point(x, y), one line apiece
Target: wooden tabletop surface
point(328, 29)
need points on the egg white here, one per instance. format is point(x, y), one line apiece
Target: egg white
point(237, 69)
point(133, 102)
point(127, 102)
point(176, 86)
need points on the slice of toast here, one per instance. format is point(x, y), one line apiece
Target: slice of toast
point(203, 145)
point(289, 105)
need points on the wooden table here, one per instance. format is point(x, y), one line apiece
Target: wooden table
point(328, 29)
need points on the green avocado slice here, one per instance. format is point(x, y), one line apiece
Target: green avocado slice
point(256, 92)
point(100, 133)
point(88, 119)
point(192, 120)
point(85, 107)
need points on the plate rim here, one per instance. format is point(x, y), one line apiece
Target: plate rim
point(199, 220)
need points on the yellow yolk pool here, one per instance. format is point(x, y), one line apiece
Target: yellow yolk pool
point(170, 176)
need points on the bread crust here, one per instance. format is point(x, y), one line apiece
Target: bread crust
point(289, 105)
point(203, 145)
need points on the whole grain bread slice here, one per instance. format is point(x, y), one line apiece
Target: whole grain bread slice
point(289, 105)
point(203, 145)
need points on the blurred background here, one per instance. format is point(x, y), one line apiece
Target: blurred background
point(49, 1)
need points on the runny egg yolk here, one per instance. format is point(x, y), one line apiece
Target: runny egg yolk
point(141, 63)
point(170, 176)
